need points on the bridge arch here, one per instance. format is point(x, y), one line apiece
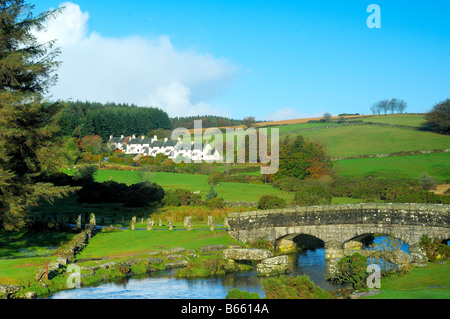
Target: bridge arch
point(294, 242)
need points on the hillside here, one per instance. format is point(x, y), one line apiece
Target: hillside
point(374, 149)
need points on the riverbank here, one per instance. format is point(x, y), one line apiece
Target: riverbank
point(109, 255)
point(114, 254)
point(429, 282)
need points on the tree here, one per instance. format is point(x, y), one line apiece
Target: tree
point(92, 144)
point(382, 105)
point(301, 158)
point(375, 110)
point(392, 105)
point(248, 121)
point(327, 117)
point(211, 194)
point(28, 125)
point(401, 106)
point(398, 105)
point(438, 119)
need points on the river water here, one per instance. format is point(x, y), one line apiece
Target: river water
point(163, 285)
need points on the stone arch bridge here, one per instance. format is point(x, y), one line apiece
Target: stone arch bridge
point(336, 225)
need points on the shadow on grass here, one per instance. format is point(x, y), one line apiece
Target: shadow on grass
point(29, 243)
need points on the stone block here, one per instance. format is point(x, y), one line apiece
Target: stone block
point(272, 266)
point(247, 254)
point(176, 264)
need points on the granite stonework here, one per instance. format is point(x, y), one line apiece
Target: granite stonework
point(337, 224)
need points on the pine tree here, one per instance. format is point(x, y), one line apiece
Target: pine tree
point(211, 194)
point(27, 123)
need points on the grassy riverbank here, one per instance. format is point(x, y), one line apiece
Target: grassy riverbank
point(430, 282)
point(118, 247)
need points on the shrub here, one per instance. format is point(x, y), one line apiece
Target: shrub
point(290, 184)
point(215, 179)
point(217, 202)
point(351, 269)
point(181, 197)
point(427, 182)
point(289, 287)
point(434, 249)
point(123, 268)
point(141, 194)
point(170, 199)
point(86, 173)
point(404, 194)
point(271, 202)
point(313, 194)
point(262, 244)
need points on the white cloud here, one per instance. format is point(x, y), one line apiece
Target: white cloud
point(133, 69)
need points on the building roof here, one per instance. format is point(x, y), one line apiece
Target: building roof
point(118, 139)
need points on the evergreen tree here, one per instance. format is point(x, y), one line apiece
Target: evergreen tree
point(27, 124)
point(211, 194)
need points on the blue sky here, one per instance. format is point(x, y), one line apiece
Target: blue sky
point(270, 59)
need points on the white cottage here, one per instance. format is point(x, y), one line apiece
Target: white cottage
point(152, 146)
point(196, 152)
point(117, 143)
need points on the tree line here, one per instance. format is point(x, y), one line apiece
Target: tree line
point(207, 121)
point(386, 105)
point(80, 119)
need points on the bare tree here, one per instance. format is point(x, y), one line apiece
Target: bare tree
point(382, 105)
point(375, 109)
point(327, 117)
point(393, 105)
point(401, 106)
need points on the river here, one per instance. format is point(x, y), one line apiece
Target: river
point(163, 285)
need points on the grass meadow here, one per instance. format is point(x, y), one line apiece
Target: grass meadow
point(436, 165)
point(357, 140)
point(132, 243)
point(414, 120)
point(170, 181)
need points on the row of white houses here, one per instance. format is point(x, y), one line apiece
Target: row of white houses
point(173, 149)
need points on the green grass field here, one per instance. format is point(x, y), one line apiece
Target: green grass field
point(131, 243)
point(285, 129)
point(436, 165)
point(171, 181)
point(374, 139)
point(398, 119)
